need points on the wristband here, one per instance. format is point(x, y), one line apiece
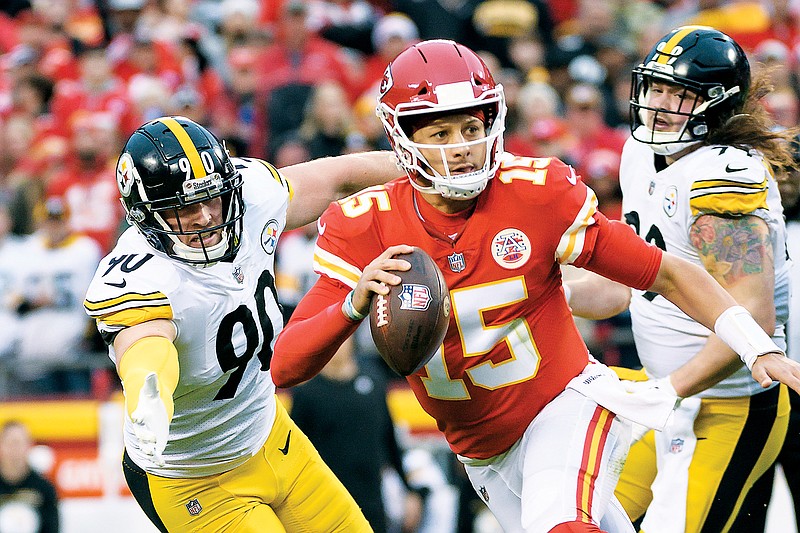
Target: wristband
point(737, 328)
point(349, 310)
point(567, 292)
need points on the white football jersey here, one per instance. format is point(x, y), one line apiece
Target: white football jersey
point(662, 206)
point(227, 318)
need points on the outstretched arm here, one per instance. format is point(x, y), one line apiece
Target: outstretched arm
point(592, 296)
point(697, 294)
point(737, 253)
point(318, 182)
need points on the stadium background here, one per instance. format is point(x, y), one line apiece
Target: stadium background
point(285, 80)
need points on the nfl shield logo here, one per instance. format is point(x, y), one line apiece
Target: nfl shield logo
point(457, 263)
point(194, 507)
point(415, 297)
point(238, 275)
point(676, 446)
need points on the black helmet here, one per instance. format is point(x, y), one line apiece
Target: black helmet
point(702, 60)
point(171, 163)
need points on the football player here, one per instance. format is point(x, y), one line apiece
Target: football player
point(187, 304)
point(697, 182)
point(537, 423)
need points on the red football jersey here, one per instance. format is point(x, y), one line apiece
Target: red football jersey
point(512, 345)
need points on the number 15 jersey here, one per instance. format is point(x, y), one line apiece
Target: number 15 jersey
point(511, 345)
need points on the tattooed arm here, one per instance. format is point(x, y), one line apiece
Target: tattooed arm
point(738, 253)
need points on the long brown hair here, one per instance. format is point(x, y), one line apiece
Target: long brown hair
point(752, 127)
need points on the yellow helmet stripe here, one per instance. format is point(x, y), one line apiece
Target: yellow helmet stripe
point(188, 146)
point(666, 52)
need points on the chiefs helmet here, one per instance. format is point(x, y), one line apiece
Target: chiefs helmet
point(440, 76)
point(707, 64)
point(171, 163)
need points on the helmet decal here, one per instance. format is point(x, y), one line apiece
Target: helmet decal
point(195, 163)
point(126, 174)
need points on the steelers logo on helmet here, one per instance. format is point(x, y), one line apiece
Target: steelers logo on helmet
point(711, 76)
point(173, 163)
point(126, 174)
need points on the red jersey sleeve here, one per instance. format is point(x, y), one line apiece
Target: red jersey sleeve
point(316, 330)
point(621, 255)
point(347, 241)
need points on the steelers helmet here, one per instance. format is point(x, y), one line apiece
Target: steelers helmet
point(172, 163)
point(714, 73)
point(438, 77)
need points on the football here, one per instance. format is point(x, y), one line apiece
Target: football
point(409, 324)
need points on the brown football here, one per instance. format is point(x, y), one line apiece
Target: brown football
point(409, 324)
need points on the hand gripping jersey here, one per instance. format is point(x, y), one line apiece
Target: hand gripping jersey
point(227, 318)
point(512, 345)
point(662, 206)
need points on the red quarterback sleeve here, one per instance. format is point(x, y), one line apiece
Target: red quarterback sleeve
point(621, 255)
point(316, 330)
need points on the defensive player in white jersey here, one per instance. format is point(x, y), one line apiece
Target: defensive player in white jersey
point(187, 303)
point(697, 182)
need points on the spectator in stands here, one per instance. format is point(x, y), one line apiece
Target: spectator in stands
point(97, 89)
point(28, 501)
point(10, 271)
point(87, 184)
point(343, 412)
point(587, 128)
point(328, 121)
point(59, 264)
point(391, 34)
point(299, 55)
point(239, 115)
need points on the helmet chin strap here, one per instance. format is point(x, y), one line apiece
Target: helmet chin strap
point(208, 253)
point(665, 143)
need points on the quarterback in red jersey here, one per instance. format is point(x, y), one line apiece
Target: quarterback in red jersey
point(536, 421)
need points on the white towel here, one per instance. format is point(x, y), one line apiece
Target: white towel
point(674, 451)
point(648, 407)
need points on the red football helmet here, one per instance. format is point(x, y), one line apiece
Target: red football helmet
point(433, 77)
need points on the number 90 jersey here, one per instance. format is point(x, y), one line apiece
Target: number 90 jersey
point(511, 345)
point(661, 206)
point(227, 318)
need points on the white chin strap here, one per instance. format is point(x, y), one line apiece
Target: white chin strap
point(473, 184)
point(208, 254)
point(665, 142)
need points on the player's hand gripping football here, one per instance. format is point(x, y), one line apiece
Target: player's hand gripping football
point(378, 273)
point(150, 420)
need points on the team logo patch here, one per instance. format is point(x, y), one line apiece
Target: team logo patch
point(511, 248)
point(457, 262)
point(671, 200)
point(126, 174)
point(387, 82)
point(238, 275)
point(415, 297)
point(194, 507)
point(676, 446)
point(269, 236)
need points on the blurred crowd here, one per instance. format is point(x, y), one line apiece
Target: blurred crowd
point(289, 80)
